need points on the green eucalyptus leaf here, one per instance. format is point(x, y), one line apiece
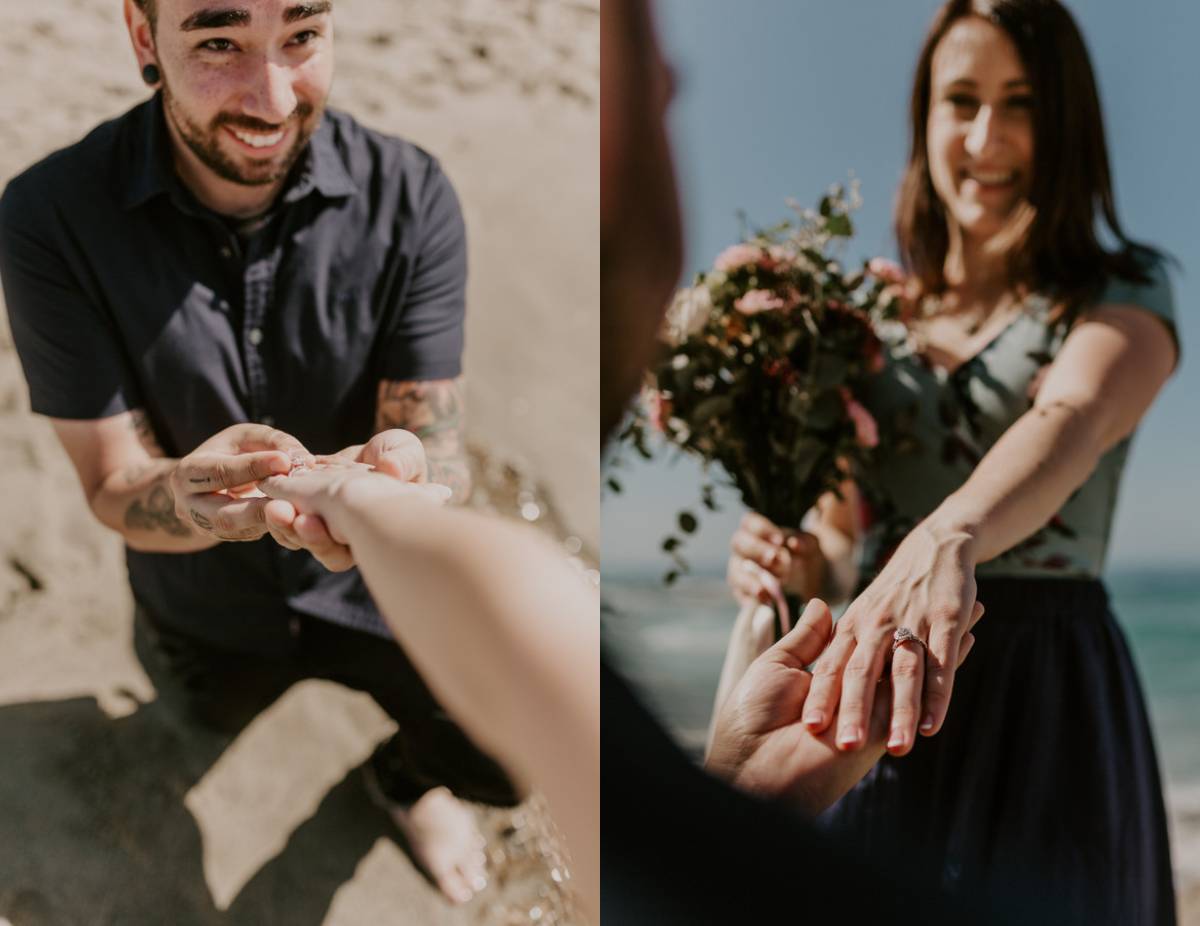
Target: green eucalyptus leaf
point(839, 225)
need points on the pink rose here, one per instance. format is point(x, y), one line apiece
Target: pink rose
point(743, 255)
point(866, 431)
point(873, 353)
point(886, 270)
point(759, 300)
point(659, 409)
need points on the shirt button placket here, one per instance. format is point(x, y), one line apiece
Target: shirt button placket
point(258, 283)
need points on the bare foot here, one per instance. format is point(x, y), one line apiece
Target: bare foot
point(445, 841)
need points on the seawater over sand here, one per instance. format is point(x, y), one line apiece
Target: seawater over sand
point(671, 642)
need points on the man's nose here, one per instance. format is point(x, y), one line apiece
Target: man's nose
point(271, 98)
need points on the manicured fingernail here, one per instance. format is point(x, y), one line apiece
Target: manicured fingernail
point(814, 718)
point(927, 723)
point(849, 736)
point(896, 739)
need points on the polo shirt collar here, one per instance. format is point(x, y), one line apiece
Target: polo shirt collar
point(149, 170)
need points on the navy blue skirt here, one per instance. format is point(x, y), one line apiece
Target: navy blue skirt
point(1044, 778)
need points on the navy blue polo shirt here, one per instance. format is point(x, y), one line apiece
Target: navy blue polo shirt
point(124, 292)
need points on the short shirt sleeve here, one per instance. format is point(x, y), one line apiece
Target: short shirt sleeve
point(69, 349)
point(1155, 296)
point(426, 339)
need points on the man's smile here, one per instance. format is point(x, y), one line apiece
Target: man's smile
point(259, 142)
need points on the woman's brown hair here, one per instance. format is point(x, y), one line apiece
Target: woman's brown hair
point(1059, 253)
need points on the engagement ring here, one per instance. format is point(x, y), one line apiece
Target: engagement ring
point(904, 635)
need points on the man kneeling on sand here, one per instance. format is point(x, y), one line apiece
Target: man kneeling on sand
point(212, 288)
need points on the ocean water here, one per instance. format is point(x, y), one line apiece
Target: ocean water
point(671, 641)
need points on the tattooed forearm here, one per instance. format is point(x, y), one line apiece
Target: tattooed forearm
point(155, 512)
point(455, 474)
point(434, 411)
point(140, 422)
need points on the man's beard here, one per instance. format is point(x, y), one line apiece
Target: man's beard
point(205, 144)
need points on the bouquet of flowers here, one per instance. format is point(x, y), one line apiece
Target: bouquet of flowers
point(762, 360)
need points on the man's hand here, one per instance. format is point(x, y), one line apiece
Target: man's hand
point(759, 742)
point(395, 453)
point(215, 485)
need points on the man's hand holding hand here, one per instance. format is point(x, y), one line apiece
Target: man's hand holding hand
point(215, 485)
point(294, 515)
point(759, 741)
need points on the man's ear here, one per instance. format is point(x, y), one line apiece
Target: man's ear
point(141, 35)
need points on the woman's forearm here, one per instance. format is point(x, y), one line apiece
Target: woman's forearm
point(1025, 478)
point(506, 633)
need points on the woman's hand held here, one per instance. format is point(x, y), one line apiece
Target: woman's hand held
point(928, 587)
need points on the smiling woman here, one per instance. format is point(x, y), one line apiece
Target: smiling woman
point(1029, 354)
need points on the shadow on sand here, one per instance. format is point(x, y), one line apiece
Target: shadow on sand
point(95, 830)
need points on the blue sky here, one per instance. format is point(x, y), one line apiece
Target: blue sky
point(781, 98)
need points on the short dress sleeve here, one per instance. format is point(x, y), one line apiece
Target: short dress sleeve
point(1155, 296)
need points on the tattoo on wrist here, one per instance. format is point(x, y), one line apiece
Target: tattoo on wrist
point(155, 512)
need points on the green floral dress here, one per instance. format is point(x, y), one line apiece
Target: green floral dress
point(941, 424)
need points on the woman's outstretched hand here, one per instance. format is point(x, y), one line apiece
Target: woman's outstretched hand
point(928, 588)
point(317, 503)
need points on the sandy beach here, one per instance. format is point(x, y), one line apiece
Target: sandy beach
point(111, 812)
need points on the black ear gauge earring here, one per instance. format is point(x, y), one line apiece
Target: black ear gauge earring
point(150, 74)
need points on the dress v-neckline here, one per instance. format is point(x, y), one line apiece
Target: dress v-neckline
point(944, 373)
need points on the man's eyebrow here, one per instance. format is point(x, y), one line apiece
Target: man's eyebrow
point(221, 18)
point(305, 10)
point(226, 18)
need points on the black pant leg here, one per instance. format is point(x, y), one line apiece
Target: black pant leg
point(219, 689)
